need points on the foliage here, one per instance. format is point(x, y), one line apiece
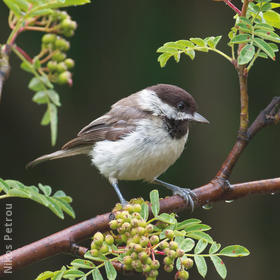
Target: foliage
point(51, 64)
point(254, 36)
point(58, 203)
point(138, 244)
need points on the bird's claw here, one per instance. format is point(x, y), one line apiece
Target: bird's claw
point(188, 195)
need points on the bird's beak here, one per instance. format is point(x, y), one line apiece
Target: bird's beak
point(198, 118)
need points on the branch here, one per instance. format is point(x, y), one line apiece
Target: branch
point(65, 241)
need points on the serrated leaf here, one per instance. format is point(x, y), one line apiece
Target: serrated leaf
point(188, 222)
point(45, 275)
point(201, 265)
point(154, 198)
point(73, 273)
point(234, 251)
point(187, 244)
point(214, 248)
point(196, 227)
point(166, 218)
point(110, 271)
point(53, 121)
point(144, 211)
point(241, 38)
point(246, 54)
point(96, 275)
point(40, 97)
point(200, 246)
point(200, 235)
point(220, 266)
point(265, 47)
point(198, 41)
point(163, 58)
point(46, 118)
point(272, 18)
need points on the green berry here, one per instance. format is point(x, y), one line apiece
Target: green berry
point(140, 230)
point(173, 245)
point(62, 44)
point(136, 239)
point(136, 264)
point(94, 252)
point(155, 264)
point(52, 65)
point(68, 33)
point(109, 239)
point(151, 278)
point(66, 23)
point(61, 67)
point(127, 260)
point(172, 254)
point(59, 56)
point(146, 268)
point(136, 215)
point(168, 267)
point(153, 273)
point(135, 222)
point(129, 208)
point(64, 77)
point(163, 245)
point(182, 275)
point(63, 15)
point(143, 256)
point(180, 253)
point(134, 256)
point(98, 238)
point(113, 224)
point(138, 248)
point(150, 228)
point(149, 261)
point(169, 233)
point(187, 263)
point(48, 38)
point(154, 239)
point(137, 208)
point(104, 249)
point(142, 223)
point(168, 260)
point(127, 267)
point(144, 241)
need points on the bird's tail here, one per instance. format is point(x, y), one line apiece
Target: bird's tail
point(58, 154)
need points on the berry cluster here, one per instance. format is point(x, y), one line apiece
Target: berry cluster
point(138, 243)
point(55, 47)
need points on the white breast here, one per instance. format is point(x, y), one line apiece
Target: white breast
point(141, 155)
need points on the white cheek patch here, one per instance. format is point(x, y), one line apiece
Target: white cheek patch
point(151, 102)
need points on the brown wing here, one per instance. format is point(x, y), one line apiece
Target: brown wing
point(116, 124)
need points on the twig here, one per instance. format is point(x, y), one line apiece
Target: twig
point(228, 2)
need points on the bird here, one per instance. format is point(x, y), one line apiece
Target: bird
point(140, 137)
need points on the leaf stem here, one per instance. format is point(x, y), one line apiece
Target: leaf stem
point(4, 196)
point(253, 60)
point(232, 6)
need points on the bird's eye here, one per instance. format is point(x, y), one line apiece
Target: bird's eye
point(181, 106)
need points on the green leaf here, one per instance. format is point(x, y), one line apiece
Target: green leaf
point(23, 4)
point(27, 67)
point(200, 246)
point(200, 235)
point(217, 40)
point(274, 5)
point(81, 263)
point(165, 49)
point(96, 275)
point(188, 222)
point(36, 84)
point(268, 35)
point(53, 95)
point(246, 54)
point(234, 251)
point(58, 275)
point(45, 275)
point(220, 266)
point(198, 41)
point(272, 18)
point(244, 27)
point(144, 211)
point(100, 258)
point(46, 118)
point(13, 7)
point(163, 58)
point(65, 207)
point(41, 12)
point(53, 120)
point(264, 26)
point(214, 248)
point(40, 97)
point(54, 207)
point(241, 38)
point(4, 186)
point(201, 265)
point(182, 44)
point(274, 47)
point(197, 227)
point(110, 271)
point(187, 244)
point(265, 47)
point(47, 190)
point(154, 198)
point(190, 53)
point(73, 273)
point(166, 218)
point(18, 193)
point(262, 55)
point(245, 20)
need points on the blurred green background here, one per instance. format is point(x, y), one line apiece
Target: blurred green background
point(114, 49)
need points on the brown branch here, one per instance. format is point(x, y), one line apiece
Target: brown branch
point(65, 241)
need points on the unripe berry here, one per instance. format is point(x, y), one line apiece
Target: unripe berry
point(62, 44)
point(187, 263)
point(126, 226)
point(136, 215)
point(163, 245)
point(153, 273)
point(68, 32)
point(150, 228)
point(94, 252)
point(134, 256)
point(154, 239)
point(104, 249)
point(48, 38)
point(98, 238)
point(113, 224)
point(52, 65)
point(143, 256)
point(118, 215)
point(59, 56)
point(144, 241)
point(140, 230)
point(180, 253)
point(136, 264)
point(129, 208)
point(172, 254)
point(66, 23)
point(168, 260)
point(166, 251)
point(127, 260)
point(146, 268)
point(182, 275)
point(173, 245)
point(151, 278)
point(168, 267)
point(127, 267)
point(135, 222)
point(138, 248)
point(155, 264)
point(136, 239)
point(142, 223)
point(109, 239)
point(169, 233)
point(124, 238)
point(61, 67)
point(64, 77)
point(149, 261)
point(63, 15)
point(137, 208)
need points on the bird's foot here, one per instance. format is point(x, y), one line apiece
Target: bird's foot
point(124, 202)
point(224, 183)
point(188, 195)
